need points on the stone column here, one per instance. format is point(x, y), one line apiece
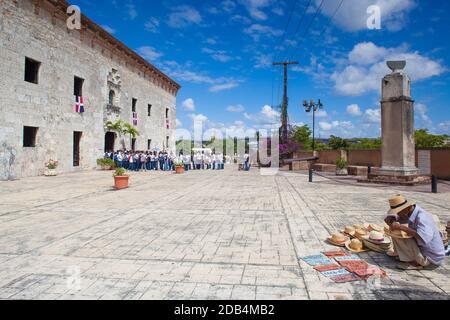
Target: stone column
point(397, 124)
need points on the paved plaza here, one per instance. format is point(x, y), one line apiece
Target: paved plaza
point(201, 235)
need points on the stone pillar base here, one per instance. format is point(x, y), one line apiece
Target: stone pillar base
point(398, 171)
point(402, 180)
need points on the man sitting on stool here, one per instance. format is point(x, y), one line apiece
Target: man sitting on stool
point(425, 248)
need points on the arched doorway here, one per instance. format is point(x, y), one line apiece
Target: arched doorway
point(110, 138)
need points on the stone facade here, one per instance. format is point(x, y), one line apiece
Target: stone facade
point(37, 30)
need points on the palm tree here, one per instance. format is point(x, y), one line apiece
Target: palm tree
point(131, 130)
point(117, 127)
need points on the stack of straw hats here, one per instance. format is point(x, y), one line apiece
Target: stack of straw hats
point(377, 241)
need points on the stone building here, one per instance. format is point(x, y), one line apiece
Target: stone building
point(44, 66)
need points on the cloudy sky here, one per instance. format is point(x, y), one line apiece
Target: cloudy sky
point(221, 52)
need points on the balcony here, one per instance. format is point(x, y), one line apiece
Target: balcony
point(112, 108)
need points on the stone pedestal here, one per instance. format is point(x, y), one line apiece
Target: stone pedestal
point(397, 126)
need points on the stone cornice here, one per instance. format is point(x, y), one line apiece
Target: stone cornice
point(100, 34)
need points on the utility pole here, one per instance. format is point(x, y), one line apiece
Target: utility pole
point(284, 112)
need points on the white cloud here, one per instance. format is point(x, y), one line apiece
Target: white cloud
point(258, 30)
point(152, 25)
point(255, 8)
point(108, 29)
point(236, 108)
point(198, 117)
point(267, 116)
point(224, 86)
point(263, 61)
point(184, 16)
point(372, 115)
point(179, 123)
point(366, 66)
point(421, 111)
point(353, 16)
point(149, 53)
point(189, 104)
point(218, 55)
point(325, 125)
point(321, 114)
point(131, 9)
point(354, 110)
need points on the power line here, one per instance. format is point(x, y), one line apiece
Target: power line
point(287, 26)
point(301, 20)
point(307, 28)
point(331, 19)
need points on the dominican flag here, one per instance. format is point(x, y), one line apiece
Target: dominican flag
point(79, 104)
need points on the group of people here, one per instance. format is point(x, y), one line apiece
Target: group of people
point(164, 161)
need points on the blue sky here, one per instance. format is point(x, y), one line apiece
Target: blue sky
point(221, 54)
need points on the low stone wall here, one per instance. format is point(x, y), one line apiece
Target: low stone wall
point(359, 160)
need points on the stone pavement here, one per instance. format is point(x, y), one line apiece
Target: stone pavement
point(202, 235)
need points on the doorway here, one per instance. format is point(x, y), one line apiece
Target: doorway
point(110, 138)
point(76, 148)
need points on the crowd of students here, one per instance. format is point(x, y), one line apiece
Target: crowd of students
point(163, 161)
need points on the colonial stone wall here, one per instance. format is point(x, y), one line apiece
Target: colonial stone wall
point(50, 104)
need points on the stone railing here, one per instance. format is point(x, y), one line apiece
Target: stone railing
point(113, 108)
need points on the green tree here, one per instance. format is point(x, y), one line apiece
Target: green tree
point(302, 135)
point(117, 127)
point(337, 143)
point(130, 130)
point(424, 139)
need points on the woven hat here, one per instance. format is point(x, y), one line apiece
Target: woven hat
point(398, 234)
point(398, 204)
point(375, 227)
point(355, 245)
point(349, 230)
point(358, 226)
point(360, 233)
point(337, 239)
point(377, 238)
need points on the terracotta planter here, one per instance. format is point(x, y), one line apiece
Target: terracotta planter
point(179, 170)
point(121, 182)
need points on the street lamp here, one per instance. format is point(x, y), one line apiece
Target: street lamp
point(311, 105)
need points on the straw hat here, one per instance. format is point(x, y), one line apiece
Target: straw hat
point(337, 239)
point(355, 245)
point(358, 226)
point(375, 227)
point(396, 233)
point(349, 230)
point(360, 233)
point(377, 238)
point(398, 204)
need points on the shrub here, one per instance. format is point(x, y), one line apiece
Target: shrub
point(106, 162)
point(52, 164)
point(341, 163)
point(120, 172)
point(178, 163)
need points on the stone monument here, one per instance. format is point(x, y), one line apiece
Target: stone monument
point(398, 152)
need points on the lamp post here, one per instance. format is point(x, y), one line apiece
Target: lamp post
point(311, 105)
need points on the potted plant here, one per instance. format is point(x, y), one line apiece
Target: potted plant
point(179, 167)
point(106, 164)
point(341, 167)
point(120, 179)
point(50, 168)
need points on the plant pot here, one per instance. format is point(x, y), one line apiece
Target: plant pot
point(50, 172)
point(121, 182)
point(341, 172)
point(179, 170)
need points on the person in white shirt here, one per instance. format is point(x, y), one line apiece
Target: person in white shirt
point(187, 162)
